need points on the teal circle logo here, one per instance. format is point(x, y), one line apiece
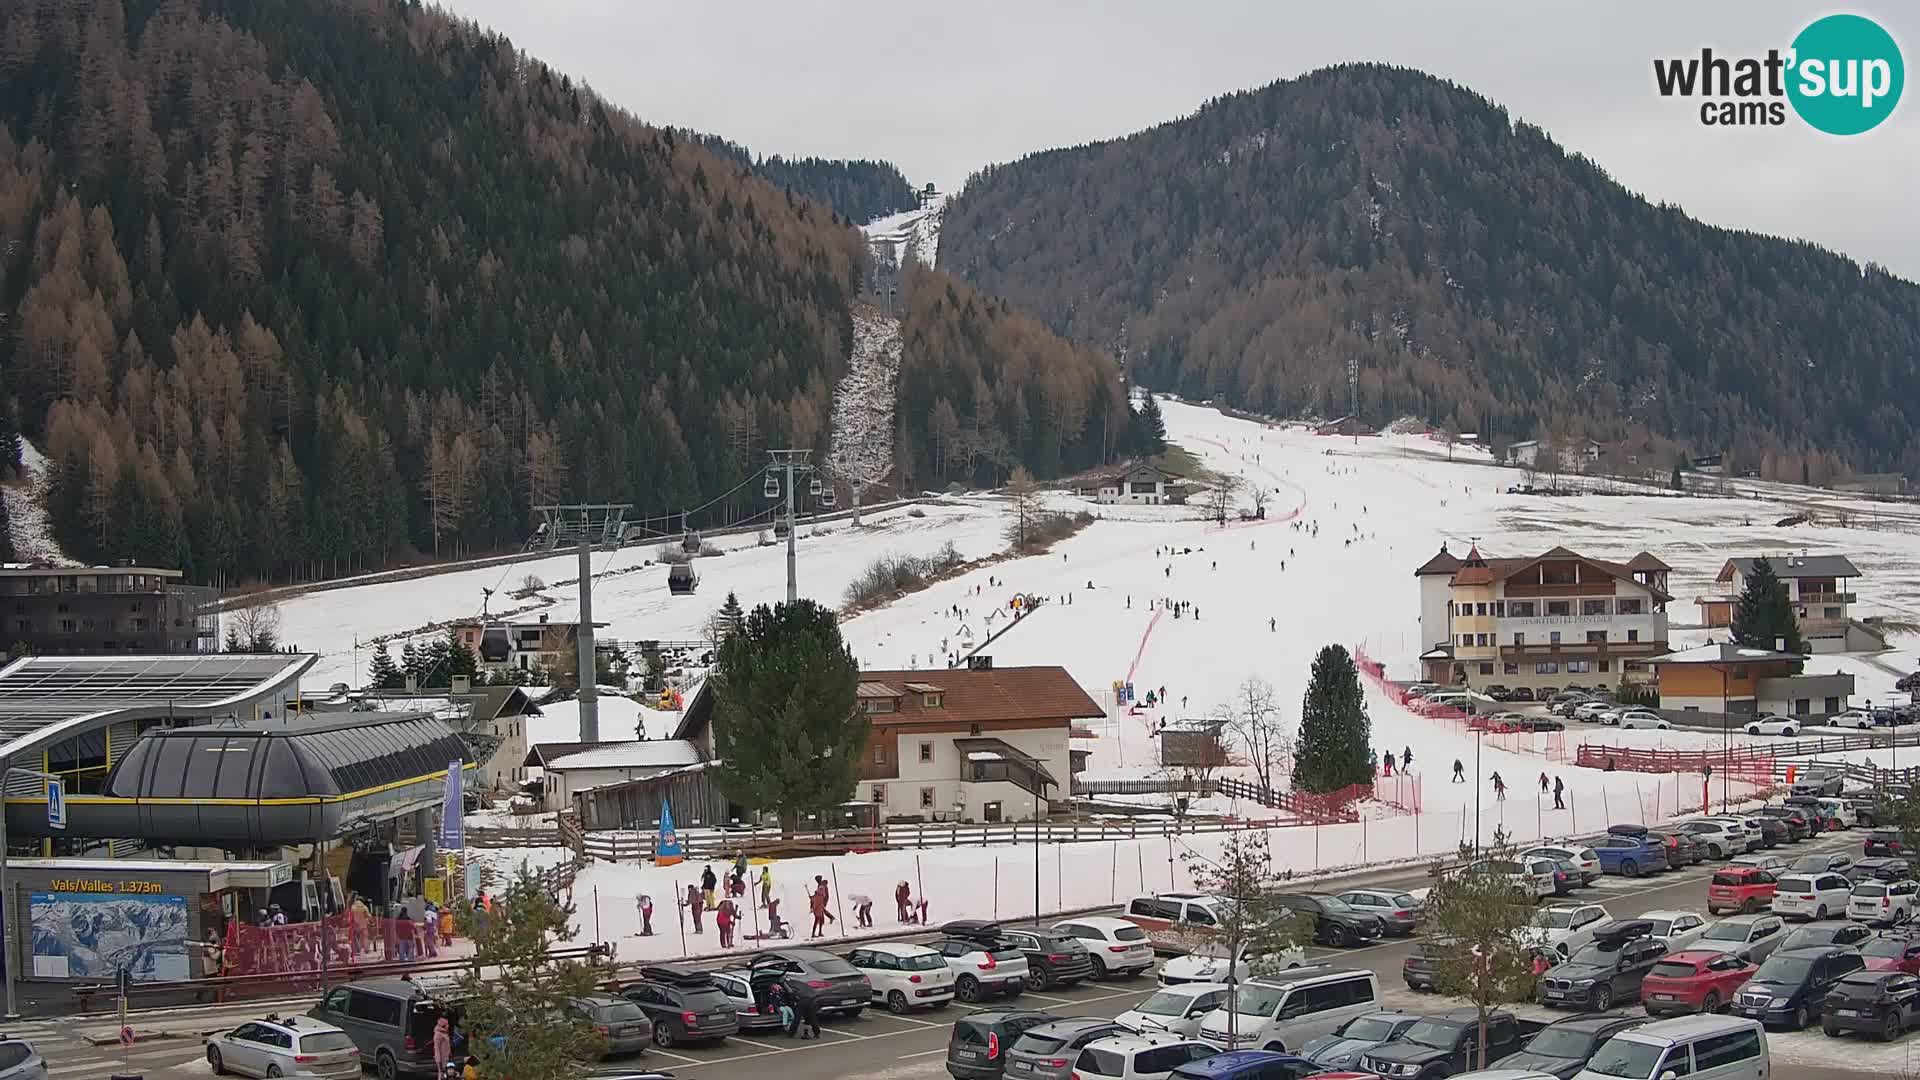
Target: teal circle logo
point(1846, 74)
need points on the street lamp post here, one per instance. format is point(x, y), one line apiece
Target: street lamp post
point(1480, 736)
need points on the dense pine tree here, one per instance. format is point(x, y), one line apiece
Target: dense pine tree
point(1763, 616)
point(1335, 731)
point(412, 665)
point(786, 733)
point(858, 191)
point(1147, 430)
point(732, 617)
point(384, 674)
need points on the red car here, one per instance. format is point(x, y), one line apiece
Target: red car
point(1696, 980)
point(1892, 952)
point(1740, 889)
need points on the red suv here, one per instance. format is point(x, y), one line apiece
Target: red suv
point(1742, 889)
point(1697, 980)
point(1892, 952)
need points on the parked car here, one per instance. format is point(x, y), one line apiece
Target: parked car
point(1696, 980)
point(904, 977)
point(1886, 902)
point(1053, 960)
point(1443, 1045)
point(1334, 922)
point(1048, 1051)
point(21, 1060)
point(1825, 863)
point(1175, 915)
point(1399, 912)
point(1791, 987)
point(1852, 718)
point(1865, 806)
point(751, 1009)
point(1564, 928)
point(1892, 951)
point(1581, 856)
point(977, 1045)
point(1642, 719)
point(1521, 693)
point(1416, 970)
point(834, 986)
point(1681, 849)
point(281, 1046)
point(1177, 1009)
point(1700, 1047)
point(1882, 1003)
point(983, 967)
point(1754, 937)
point(1350, 1041)
point(1773, 831)
point(1116, 946)
point(1629, 856)
point(1715, 839)
point(1589, 712)
point(1608, 969)
point(1827, 813)
point(1879, 870)
point(1818, 780)
point(1208, 963)
point(1774, 725)
point(1817, 935)
point(390, 1020)
point(1257, 1065)
point(1883, 842)
point(1286, 1011)
point(1811, 896)
point(1772, 864)
point(1744, 889)
point(1137, 1057)
point(1840, 812)
point(1739, 828)
point(1537, 723)
point(1679, 929)
point(621, 1027)
point(683, 1005)
point(1562, 1048)
point(1799, 824)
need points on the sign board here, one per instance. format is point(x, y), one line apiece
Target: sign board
point(666, 850)
point(56, 804)
point(123, 981)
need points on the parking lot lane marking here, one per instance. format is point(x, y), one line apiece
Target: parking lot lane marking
point(852, 1035)
point(1050, 997)
point(911, 1020)
point(737, 1040)
point(656, 1051)
point(921, 1054)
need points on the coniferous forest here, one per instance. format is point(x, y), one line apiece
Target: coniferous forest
point(1477, 274)
point(856, 190)
point(299, 288)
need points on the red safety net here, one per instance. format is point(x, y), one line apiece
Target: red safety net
point(296, 947)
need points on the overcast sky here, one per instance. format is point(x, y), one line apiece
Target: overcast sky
point(942, 89)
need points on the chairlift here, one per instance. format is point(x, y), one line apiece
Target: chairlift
point(772, 487)
point(814, 487)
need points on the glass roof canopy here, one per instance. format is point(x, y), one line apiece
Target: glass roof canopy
point(47, 698)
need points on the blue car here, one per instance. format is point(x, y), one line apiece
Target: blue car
point(1630, 856)
point(1247, 1065)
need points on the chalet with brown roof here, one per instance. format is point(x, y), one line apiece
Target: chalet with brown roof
point(971, 744)
point(1551, 621)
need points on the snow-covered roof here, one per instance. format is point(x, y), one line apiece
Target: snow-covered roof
point(1723, 652)
point(653, 754)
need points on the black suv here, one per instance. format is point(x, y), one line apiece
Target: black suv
point(1052, 960)
point(1791, 987)
point(1799, 824)
point(1564, 1047)
point(1879, 1003)
point(1335, 922)
point(1878, 870)
point(816, 975)
point(684, 1005)
point(977, 1048)
point(1883, 842)
point(1605, 970)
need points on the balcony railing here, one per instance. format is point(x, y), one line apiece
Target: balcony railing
point(1568, 620)
point(1827, 598)
point(1597, 649)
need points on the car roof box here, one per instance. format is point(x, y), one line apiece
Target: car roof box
point(1623, 930)
point(1627, 830)
point(675, 976)
point(971, 928)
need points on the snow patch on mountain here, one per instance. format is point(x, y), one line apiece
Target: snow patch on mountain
point(916, 231)
point(863, 402)
point(27, 510)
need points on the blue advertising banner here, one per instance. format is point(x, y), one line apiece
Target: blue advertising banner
point(453, 821)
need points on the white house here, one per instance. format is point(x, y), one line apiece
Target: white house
point(571, 767)
point(1574, 456)
point(1820, 588)
point(1138, 483)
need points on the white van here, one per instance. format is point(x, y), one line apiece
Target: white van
point(1694, 1047)
point(1282, 1012)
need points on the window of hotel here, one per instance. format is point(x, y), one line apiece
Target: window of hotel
point(1596, 637)
point(1633, 635)
point(880, 793)
point(1579, 667)
point(926, 751)
point(926, 798)
point(1593, 607)
point(1628, 605)
point(1831, 613)
point(1480, 609)
point(1480, 640)
point(1519, 638)
point(1559, 607)
point(1547, 667)
point(1466, 639)
point(1606, 666)
point(1633, 665)
point(1553, 637)
point(879, 753)
point(1486, 667)
point(877, 705)
point(1520, 609)
point(1510, 668)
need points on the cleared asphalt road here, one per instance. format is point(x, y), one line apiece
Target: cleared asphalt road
point(880, 1046)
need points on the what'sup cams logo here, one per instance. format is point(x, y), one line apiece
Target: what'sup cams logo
point(1842, 75)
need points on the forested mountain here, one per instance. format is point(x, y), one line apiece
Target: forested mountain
point(1476, 273)
point(858, 191)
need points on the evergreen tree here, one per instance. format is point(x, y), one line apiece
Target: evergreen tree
point(732, 617)
point(655, 679)
point(412, 665)
point(384, 675)
point(1676, 482)
point(786, 732)
point(1763, 616)
point(233, 643)
point(1335, 732)
point(459, 659)
point(1149, 428)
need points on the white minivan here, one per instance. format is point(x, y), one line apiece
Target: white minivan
point(1708, 1047)
point(1282, 1012)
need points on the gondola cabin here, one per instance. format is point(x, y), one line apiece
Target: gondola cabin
point(496, 644)
point(681, 580)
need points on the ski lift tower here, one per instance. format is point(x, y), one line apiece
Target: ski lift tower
point(793, 463)
point(567, 525)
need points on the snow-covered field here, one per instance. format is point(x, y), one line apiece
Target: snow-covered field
point(27, 520)
point(911, 231)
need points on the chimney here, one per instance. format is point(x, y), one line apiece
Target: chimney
point(543, 616)
point(413, 684)
point(462, 684)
